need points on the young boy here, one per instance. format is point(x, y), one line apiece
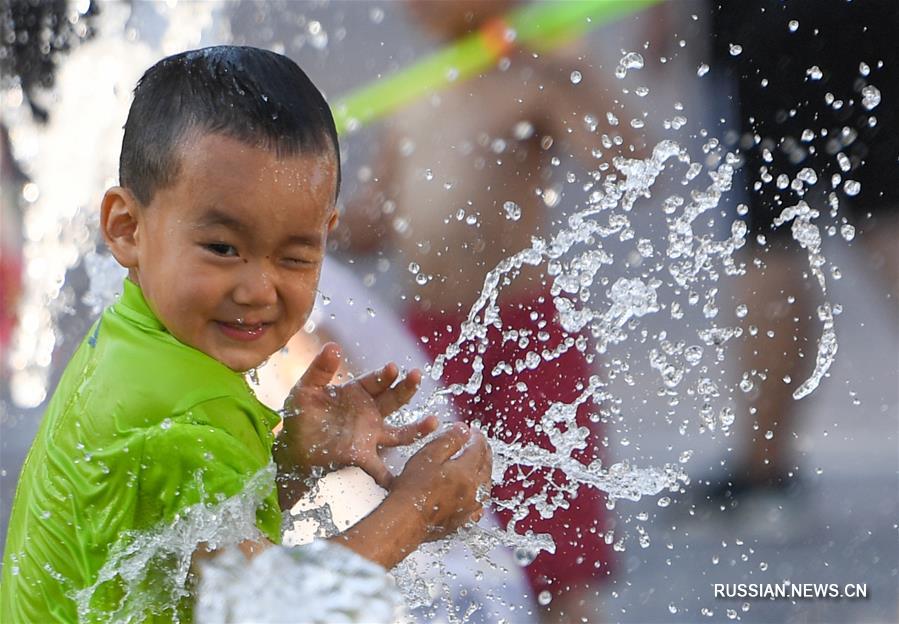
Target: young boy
point(229, 173)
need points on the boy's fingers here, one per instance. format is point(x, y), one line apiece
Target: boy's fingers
point(477, 456)
point(407, 434)
point(323, 367)
point(376, 382)
point(448, 443)
point(394, 398)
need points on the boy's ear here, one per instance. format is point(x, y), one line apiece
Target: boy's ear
point(119, 218)
point(332, 222)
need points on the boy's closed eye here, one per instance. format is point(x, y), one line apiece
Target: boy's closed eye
point(227, 250)
point(221, 249)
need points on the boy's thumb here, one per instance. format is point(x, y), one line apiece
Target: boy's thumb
point(323, 367)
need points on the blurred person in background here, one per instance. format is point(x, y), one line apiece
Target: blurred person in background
point(463, 180)
point(11, 182)
point(36, 35)
point(817, 90)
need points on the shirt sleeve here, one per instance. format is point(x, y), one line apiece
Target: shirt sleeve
point(207, 454)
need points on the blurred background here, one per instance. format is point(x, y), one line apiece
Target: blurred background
point(816, 501)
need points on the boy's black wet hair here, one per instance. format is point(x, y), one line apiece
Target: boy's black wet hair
point(255, 96)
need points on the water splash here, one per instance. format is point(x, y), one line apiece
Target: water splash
point(319, 583)
point(316, 582)
point(153, 568)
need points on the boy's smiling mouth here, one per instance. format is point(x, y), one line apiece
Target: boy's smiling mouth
point(243, 331)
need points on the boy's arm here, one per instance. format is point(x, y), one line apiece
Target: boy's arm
point(437, 493)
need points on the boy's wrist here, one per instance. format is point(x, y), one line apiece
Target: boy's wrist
point(291, 475)
point(390, 533)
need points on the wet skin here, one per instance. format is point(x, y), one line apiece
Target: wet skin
point(228, 256)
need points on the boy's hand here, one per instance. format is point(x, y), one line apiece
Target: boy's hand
point(333, 427)
point(447, 481)
point(437, 493)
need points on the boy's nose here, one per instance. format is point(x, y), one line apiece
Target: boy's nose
point(256, 288)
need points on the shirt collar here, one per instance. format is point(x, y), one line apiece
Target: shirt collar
point(135, 308)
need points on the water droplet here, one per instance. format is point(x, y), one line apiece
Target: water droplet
point(523, 130)
point(769, 435)
point(370, 312)
point(763, 566)
point(631, 60)
point(318, 37)
point(525, 556)
point(870, 97)
point(864, 69)
point(672, 608)
point(847, 231)
point(31, 192)
point(736, 49)
point(421, 279)
point(808, 135)
point(814, 73)
point(726, 417)
point(414, 268)
point(575, 77)
point(513, 211)
point(793, 25)
point(166, 424)
point(807, 175)
point(702, 70)
point(742, 310)
point(376, 15)
point(693, 354)
point(544, 598)
point(852, 188)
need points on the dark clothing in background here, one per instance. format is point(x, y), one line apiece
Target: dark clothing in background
point(781, 93)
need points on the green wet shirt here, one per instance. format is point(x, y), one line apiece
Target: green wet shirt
point(140, 427)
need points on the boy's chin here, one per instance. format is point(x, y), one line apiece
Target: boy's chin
point(241, 362)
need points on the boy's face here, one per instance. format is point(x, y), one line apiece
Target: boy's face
point(228, 257)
